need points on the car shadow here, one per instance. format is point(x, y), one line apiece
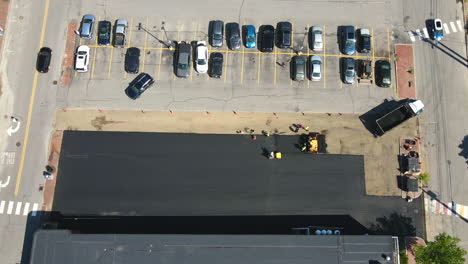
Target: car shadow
point(430, 28)
point(339, 31)
point(369, 118)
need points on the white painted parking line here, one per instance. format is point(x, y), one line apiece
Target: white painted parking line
point(411, 36)
point(425, 33)
point(10, 207)
point(18, 208)
point(460, 25)
point(452, 25)
point(34, 210)
point(446, 28)
point(26, 209)
point(2, 207)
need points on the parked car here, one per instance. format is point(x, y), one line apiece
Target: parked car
point(316, 38)
point(216, 65)
point(283, 34)
point(132, 60)
point(87, 26)
point(266, 37)
point(250, 37)
point(201, 57)
point(348, 70)
point(140, 84)
point(233, 36)
point(315, 68)
point(43, 59)
point(104, 33)
point(298, 68)
point(120, 33)
point(364, 40)
point(348, 40)
point(216, 33)
point(82, 58)
point(383, 73)
point(438, 32)
point(184, 50)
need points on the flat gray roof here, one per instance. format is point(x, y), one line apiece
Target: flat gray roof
point(61, 246)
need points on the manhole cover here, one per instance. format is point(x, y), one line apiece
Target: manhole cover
point(18, 144)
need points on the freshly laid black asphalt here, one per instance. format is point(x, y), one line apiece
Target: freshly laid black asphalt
point(164, 174)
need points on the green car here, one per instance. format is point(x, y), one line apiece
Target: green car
point(383, 73)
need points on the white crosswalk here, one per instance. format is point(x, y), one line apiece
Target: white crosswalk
point(455, 26)
point(450, 208)
point(7, 207)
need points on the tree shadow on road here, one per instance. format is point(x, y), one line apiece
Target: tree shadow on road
point(464, 148)
point(395, 224)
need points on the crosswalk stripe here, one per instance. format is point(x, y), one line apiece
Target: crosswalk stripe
point(446, 28)
point(460, 25)
point(452, 25)
point(463, 210)
point(10, 207)
point(34, 210)
point(425, 33)
point(411, 36)
point(26, 209)
point(2, 206)
point(449, 209)
point(18, 208)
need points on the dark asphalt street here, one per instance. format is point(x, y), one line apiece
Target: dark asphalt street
point(162, 174)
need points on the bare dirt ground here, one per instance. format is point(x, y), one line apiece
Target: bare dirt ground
point(345, 133)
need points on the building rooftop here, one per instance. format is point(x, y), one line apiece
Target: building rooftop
point(61, 246)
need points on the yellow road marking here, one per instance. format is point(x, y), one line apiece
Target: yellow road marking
point(259, 60)
point(160, 56)
point(225, 65)
point(242, 65)
point(94, 54)
point(324, 58)
point(144, 53)
point(31, 103)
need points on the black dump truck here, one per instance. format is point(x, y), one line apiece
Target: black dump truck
point(399, 115)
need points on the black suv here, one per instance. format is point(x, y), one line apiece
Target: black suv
point(266, 38)
point(132, 60)
point(283, 34)
point(233, 36)
point(43, 59)
point(142, 82)
point(104, 33)
point(216, 65)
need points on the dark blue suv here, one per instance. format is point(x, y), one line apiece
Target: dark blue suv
point(142, 82)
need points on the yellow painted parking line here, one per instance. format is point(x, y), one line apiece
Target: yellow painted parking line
point(258, 71)
point(194, 38)
point(94, 54)
point(388, 42)
point(31, 103)
point(178, 40)
point(97, 46)
point(160, 56)
point(225, 65)
point(324, 57)
point(242, 65)
point(276, 66)
point(81, 41)
point(130, 33)
point(110, 63)
point(372, 43)
point(144, 54)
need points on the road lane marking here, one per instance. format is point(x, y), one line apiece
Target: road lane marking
point(18, 208)
point(26, 209)
point(34, 210)
point(2, 207)
point(144, 54)
point(7, 158)
point(10, 207)
point(31, 103)
point(446, 28)
point(452, 25)
point(324, 58)
point(426, 34)
point(460, 25)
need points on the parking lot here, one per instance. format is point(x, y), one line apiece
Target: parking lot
point(249, 76)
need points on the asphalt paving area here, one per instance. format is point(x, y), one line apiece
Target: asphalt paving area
point(178, 174)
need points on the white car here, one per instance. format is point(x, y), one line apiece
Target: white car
point(201, 57)
point(438, 32)
point(316, 35)
point(82, 58)
point(315, 68)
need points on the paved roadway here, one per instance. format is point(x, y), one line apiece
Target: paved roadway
point(440, 81)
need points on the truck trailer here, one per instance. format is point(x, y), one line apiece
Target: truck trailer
point(399, 115)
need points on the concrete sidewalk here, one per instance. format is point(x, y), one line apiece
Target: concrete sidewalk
point(345, 133)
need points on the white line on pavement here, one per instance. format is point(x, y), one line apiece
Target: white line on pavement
point(460, 25)
point(454, 29)
point(10, 207)
point(34, 210)
point(425, 33)
point(446, 28)
point(2, 206)
point(26, 209)
point(411, 36)
point(18, 208)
